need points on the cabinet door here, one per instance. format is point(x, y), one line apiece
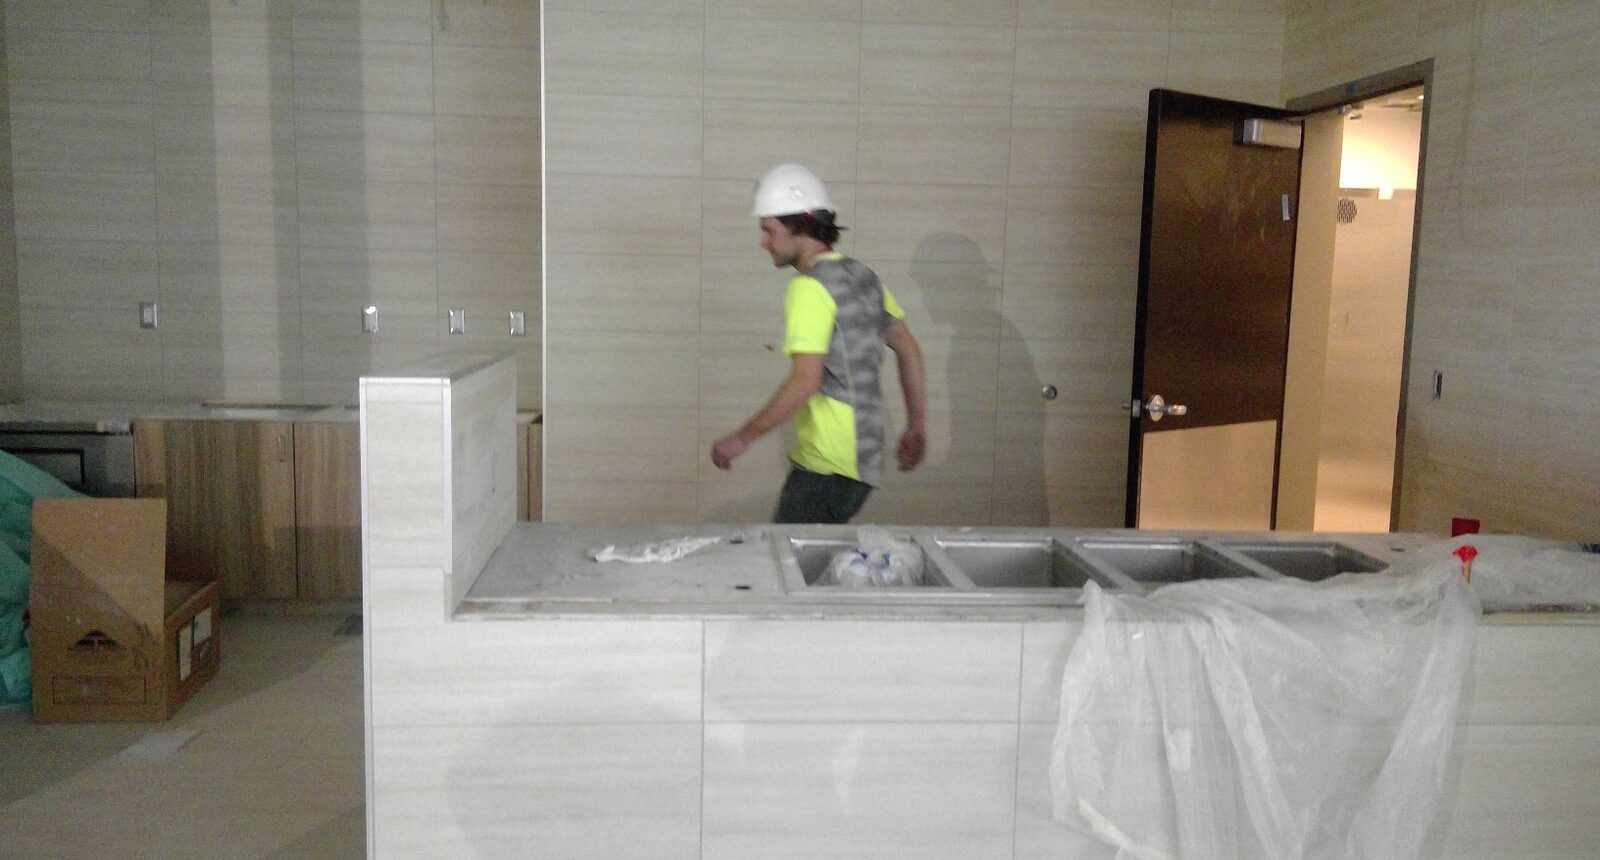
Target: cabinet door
point(229, 487)
point(327, 473)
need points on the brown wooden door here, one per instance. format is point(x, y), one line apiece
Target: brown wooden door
point(1215, 272)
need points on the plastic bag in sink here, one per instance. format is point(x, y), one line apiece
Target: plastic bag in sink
point(877, 561)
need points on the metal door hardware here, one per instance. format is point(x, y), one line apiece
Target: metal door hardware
point(1049, 392)
point(1158, 407)
point(1274, 133)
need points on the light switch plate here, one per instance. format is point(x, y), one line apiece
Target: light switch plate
point(369, 319)
point(458, 321)
point(518, 324)
point(149, 315)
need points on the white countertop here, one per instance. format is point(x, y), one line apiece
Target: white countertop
point(545, 571)
point(82, 416)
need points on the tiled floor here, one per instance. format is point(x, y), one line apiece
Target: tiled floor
point(274, 769)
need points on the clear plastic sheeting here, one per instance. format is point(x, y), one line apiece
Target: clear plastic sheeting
point(879, 560)
point(1261, 720)
point(1512, 573)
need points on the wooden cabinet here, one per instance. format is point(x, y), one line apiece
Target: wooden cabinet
point(230, 491)
point(272, 509)
point(327, 500)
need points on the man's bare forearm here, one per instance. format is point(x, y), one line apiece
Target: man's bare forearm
point(805, 378)
point(782, 406)
point(913, 376)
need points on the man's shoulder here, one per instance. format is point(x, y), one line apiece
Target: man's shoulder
point(843, 269)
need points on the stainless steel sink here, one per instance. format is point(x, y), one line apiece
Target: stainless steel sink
point(1019, 563)
point(1030, 568)
point(804, 559)
point(1165, 561)
point(1310, 561)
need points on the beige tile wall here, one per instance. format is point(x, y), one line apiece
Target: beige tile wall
point(1507, 262)
point(264, 170)
point(987, 157)
point(10, 321)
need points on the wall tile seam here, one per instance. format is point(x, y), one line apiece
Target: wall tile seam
point(667, 255)
point(33, 173)
point(87, 100)
point(533, 118)
point(528, 724)
point(379, 689)
point(820, 721)
point(341, 40)
point(21, 87)
point(299, 107)
point(14, 30)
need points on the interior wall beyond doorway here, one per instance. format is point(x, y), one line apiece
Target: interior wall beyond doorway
point(1367, 313)
point(1366, 347)
point(1504, 302)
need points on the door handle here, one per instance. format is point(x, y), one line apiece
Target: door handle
point(1158, 407)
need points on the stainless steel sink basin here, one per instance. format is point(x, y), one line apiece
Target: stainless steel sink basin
point(807, 558)
point(1311, 561)
point(1030, 568)
point(1018, 562)
point(1163, 561)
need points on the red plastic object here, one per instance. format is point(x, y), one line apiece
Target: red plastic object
point(1466, 552)
point(1463, 526)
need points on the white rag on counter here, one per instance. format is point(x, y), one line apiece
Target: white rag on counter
point(660, 551)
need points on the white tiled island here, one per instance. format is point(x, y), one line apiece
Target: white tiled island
point(522, 704)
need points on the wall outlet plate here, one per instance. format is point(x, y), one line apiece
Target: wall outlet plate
point(458, 321)
point(518, 324)
point(149, 315)
point(369, 319)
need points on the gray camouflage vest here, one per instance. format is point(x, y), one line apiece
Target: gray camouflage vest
point(852, 368)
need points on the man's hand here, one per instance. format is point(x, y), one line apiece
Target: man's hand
point(724, 450)
point(913, 383)
point(913, 445)
point(804, 379)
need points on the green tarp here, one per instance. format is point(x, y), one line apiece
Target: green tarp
point(20, 484)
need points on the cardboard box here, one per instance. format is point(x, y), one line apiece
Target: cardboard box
point(111, 637)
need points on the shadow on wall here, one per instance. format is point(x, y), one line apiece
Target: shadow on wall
point(960, 292)
point(266, 257)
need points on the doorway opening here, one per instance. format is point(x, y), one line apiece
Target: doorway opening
point(1262, 396)
point(1345, 384)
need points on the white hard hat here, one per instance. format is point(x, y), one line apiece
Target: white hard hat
point(790, 189)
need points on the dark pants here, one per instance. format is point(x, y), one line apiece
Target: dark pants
point(808, 497)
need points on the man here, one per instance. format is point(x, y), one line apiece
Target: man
point(837, 320)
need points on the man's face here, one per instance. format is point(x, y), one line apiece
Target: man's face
point(779, 243)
